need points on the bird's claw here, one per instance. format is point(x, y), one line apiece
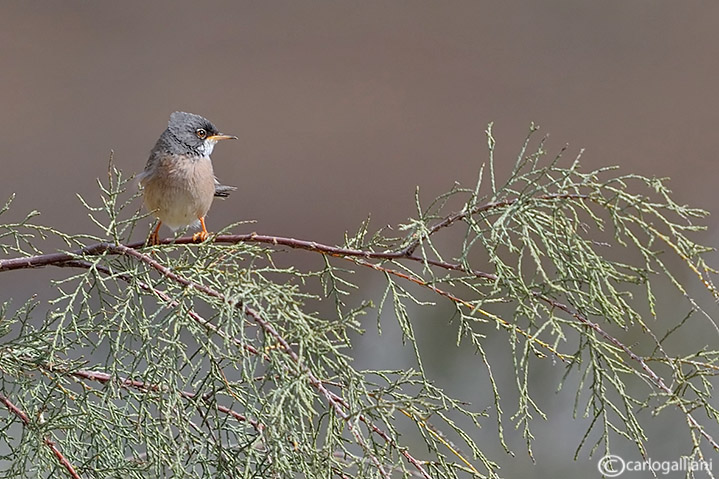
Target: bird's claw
point(200, 236)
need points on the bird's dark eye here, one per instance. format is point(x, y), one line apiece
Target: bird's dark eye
point(201, 133)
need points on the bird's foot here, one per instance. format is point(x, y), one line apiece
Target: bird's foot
point(153, 240)
point(200, 236)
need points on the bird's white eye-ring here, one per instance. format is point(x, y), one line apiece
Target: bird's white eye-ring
point(201, 133)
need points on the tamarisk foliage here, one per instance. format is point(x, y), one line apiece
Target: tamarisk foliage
point(209, 360)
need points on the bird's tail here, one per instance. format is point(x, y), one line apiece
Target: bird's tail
point(223, 191)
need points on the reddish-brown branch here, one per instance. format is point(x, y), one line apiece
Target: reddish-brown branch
point(69, 259)
point(48, 442)
point(58, 258)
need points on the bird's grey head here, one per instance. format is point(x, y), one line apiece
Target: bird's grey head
point(192, 134)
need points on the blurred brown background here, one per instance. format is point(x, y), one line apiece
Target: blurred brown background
point(343, 108)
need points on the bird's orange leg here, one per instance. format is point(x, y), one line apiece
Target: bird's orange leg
point(201, 236)
point(154, 239)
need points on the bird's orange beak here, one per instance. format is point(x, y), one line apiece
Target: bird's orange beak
point(221, 137)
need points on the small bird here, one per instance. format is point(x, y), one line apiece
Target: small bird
point(178, 182)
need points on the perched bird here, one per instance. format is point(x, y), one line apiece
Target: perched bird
point(178, 182)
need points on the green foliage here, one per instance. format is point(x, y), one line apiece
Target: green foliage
point(208, 360)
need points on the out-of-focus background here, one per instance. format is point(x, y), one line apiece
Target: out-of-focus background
point(343, 108)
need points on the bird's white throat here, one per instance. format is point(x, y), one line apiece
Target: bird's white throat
point(206, 147)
